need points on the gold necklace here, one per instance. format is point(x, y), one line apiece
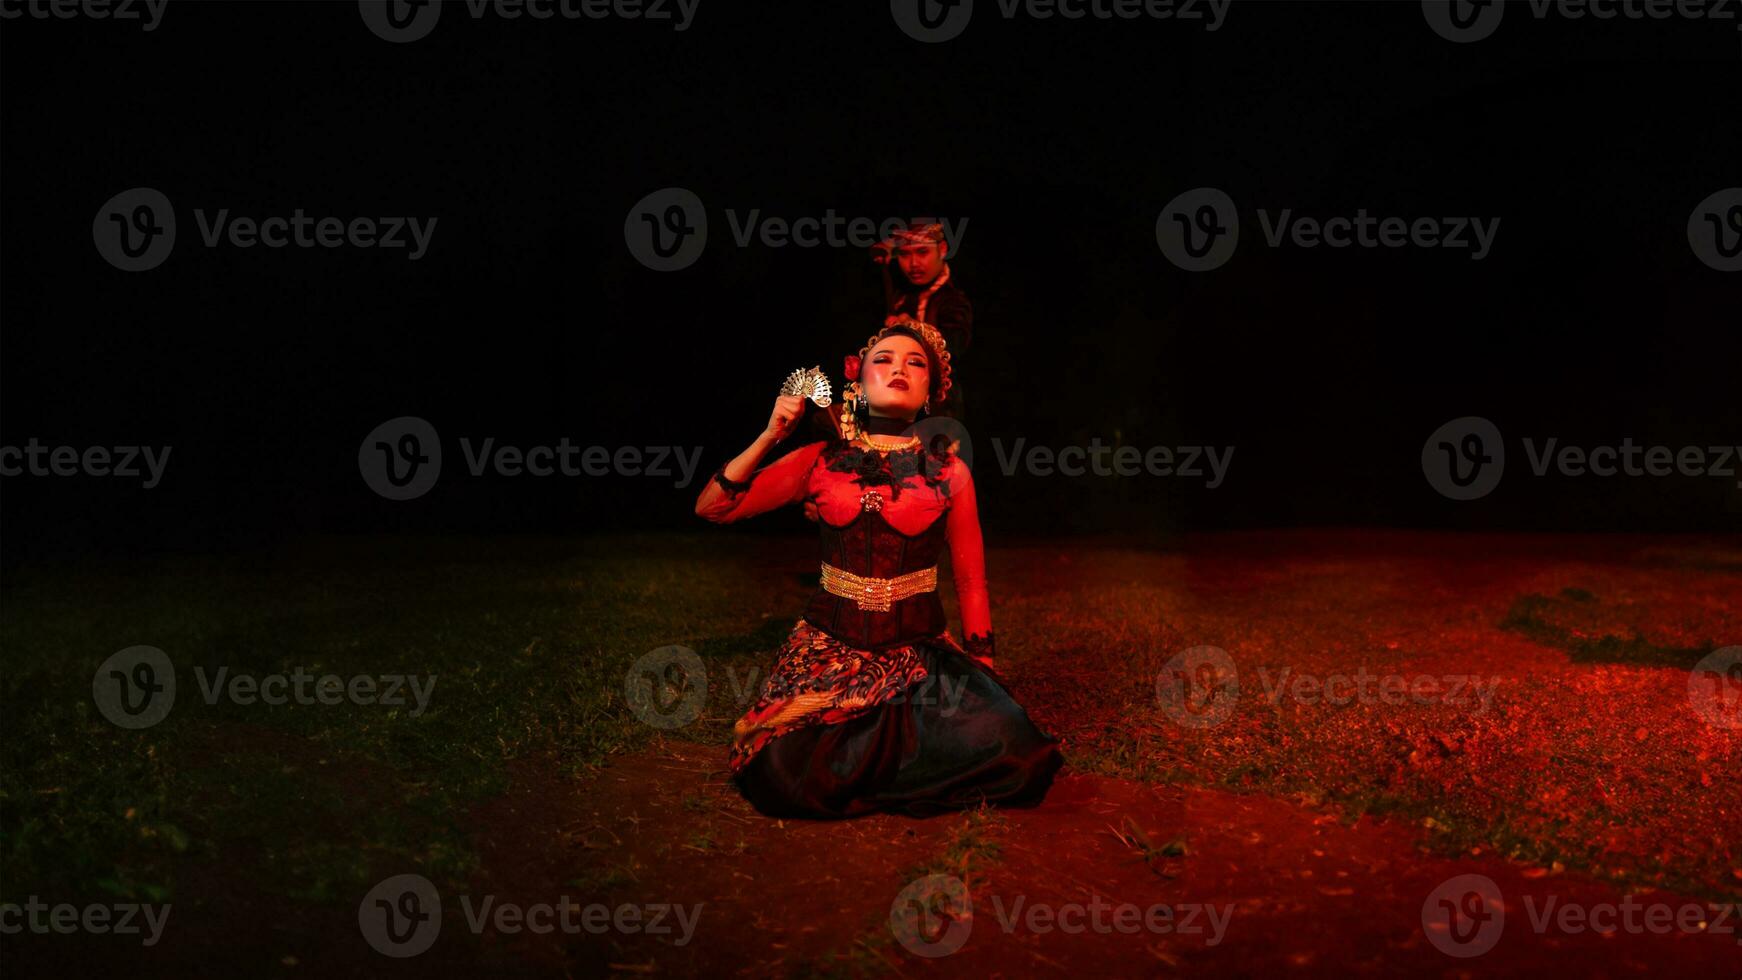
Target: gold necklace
point(897, 445)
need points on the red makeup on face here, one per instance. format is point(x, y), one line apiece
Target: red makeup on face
point(897, 376)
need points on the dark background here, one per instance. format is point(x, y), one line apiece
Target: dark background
point(530, 321)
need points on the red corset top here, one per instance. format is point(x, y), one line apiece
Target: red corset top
point(882, 514)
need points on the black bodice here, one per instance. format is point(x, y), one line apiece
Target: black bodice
point(869, 546)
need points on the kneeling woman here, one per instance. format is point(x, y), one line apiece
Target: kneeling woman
point(872, 705)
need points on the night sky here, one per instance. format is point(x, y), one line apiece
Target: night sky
point(1590, 319)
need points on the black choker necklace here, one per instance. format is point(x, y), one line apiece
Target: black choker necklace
point(879, 425)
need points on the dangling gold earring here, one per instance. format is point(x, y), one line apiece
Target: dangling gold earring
point(850, 412)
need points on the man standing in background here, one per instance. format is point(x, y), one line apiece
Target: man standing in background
point(917, 283)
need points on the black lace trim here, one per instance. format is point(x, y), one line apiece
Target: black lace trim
point(732, 487)
point(871, 468)
point(981, 646)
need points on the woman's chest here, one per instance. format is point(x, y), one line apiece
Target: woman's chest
point(908, 490)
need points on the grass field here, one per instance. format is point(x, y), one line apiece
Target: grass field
point(1558, 735)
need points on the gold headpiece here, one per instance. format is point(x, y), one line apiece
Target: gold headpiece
point(940, 359)
point(931, 338)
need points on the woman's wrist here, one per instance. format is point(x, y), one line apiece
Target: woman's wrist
point(731, 486)
point(981, 646)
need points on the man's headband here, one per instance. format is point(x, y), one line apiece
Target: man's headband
point(918, 234)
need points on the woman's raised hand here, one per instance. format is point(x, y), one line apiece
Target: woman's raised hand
point(788, 409)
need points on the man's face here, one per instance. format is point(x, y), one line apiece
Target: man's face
point(921, 263)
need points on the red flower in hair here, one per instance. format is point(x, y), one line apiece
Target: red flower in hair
point(851, 366)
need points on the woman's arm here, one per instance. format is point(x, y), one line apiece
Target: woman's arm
point(968, 561)
point(738, 490)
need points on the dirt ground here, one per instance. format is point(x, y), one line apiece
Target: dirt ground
point(1582, 820)
point(1300, 891)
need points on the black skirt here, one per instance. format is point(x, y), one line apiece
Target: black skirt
point(953, 740)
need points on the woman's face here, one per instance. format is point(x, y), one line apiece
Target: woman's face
point(897, 377)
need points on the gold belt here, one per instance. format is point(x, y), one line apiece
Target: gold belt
point(875, 594)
